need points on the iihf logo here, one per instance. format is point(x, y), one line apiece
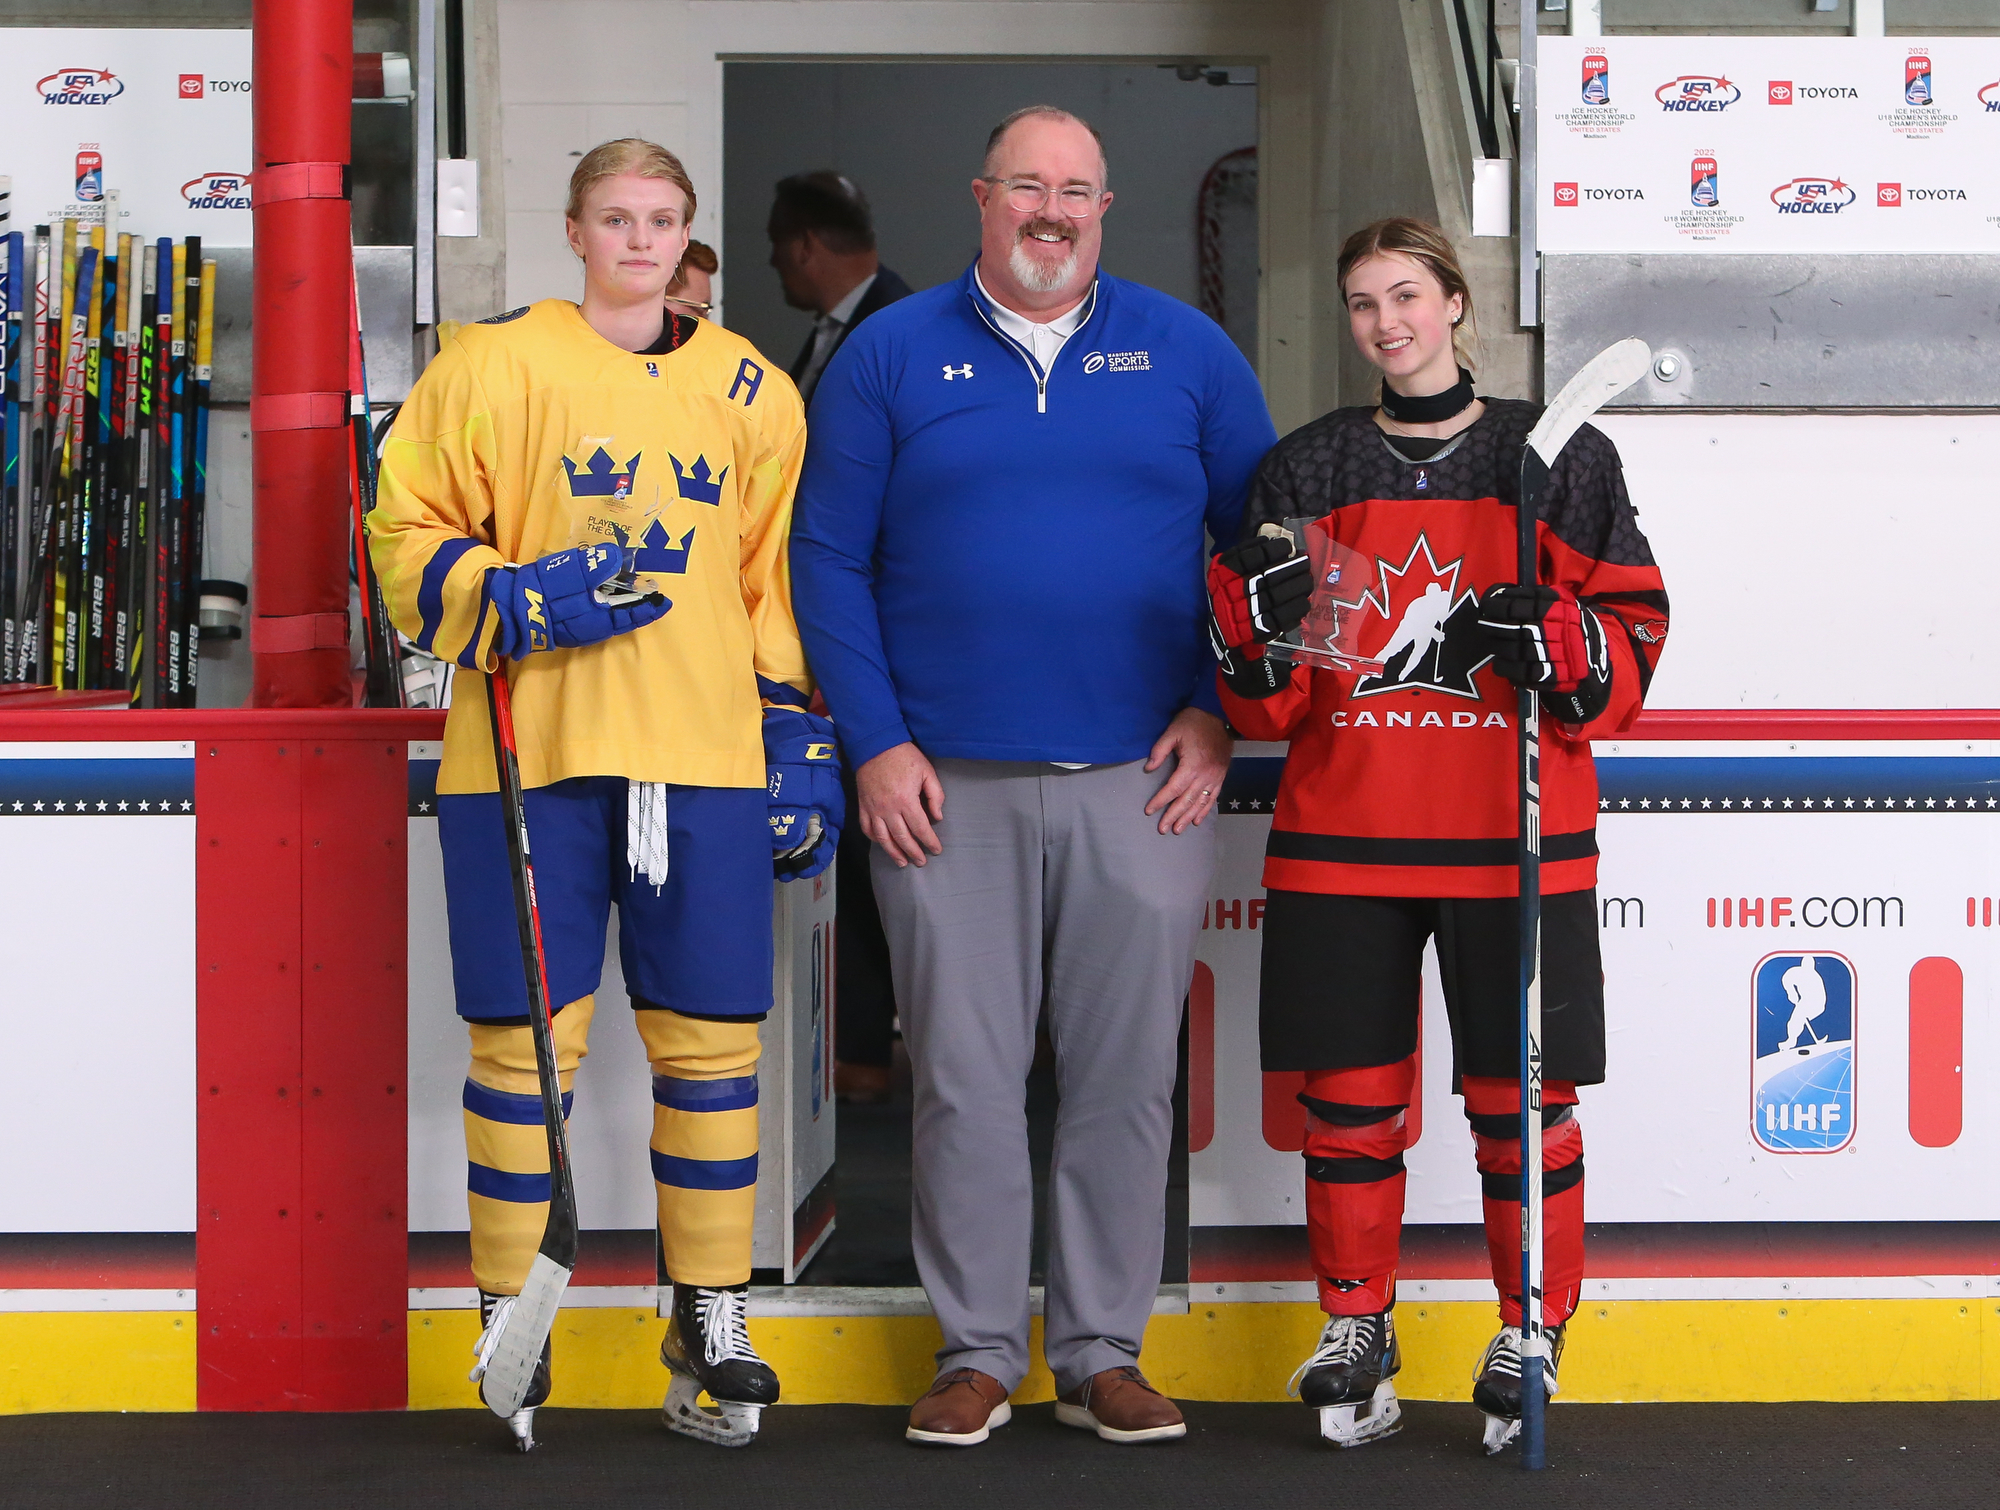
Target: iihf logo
point(1704, 183)
point(1596, 79)
point(695, 482)
point(602, 477)
point(1917, 80)
point(1803, 1077)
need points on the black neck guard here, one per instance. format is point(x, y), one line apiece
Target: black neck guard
point(1431, 408)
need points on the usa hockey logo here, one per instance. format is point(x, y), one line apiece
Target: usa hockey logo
point(1697, 92)
point(217, 191)
point(1812, 196)
point(1990, 97)
point(80, 86)
point(1803, 1078)
point(1917, 80)
point(1596, 79)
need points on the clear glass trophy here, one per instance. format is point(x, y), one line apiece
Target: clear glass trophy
point(605, 509)
point(1329, 636)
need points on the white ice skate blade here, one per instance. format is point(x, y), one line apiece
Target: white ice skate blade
point(522, 1424)
point(1000, 1415)
point(726, 1423)
point(1356, 1425)
point(1079, 1416)
point(1500, 1433)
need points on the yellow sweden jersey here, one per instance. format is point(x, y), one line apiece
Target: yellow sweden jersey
point(522, 436)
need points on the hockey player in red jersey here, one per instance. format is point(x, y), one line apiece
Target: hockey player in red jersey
point(1396, 820)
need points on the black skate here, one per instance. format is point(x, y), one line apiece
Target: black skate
point(493, 1313)
point(1496, 1388)
point(1347, 1379)
point(707, 1349)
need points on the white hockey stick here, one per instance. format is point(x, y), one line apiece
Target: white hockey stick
point(1605, 376)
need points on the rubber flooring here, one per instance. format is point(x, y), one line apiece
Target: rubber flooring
point(1716, 1457)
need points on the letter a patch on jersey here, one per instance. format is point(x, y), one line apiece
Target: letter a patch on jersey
point(749, 378)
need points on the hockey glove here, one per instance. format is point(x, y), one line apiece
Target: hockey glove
point(802, 771)
point(1256, 591)
point(1541, 637)
point(555, 602)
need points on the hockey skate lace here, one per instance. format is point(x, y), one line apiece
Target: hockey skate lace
point(489, 1340)
point(646, 831)
point(1345, 1339)
point(1503, 1355)
point(723, 1333)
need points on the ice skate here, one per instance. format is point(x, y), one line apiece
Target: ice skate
point(707, 1349)
point(1496, 1388)
point(493, 1313)
point(1348, 1379)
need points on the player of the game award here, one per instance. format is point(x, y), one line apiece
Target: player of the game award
point(1330, 633)
point(605, 509)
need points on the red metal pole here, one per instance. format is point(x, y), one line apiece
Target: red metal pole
point(303, 67)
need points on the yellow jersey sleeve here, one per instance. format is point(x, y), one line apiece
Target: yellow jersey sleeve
point(434, 513)
point(766, 560)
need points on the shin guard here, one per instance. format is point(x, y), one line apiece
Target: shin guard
point(704, 1145)
point(1356, 1131)
point(1493, 1107)
point(506, 1148)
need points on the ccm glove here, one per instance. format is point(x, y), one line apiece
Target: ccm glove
point(802, 777)
point(553, 603)
point(1256, 591)
point(1541, 637)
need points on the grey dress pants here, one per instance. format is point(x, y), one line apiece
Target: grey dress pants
point(1054, 887)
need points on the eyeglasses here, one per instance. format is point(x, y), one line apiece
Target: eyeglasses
point(1077, 201)
point(697, 305)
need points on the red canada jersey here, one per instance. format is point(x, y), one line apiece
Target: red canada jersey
point(1404, 782)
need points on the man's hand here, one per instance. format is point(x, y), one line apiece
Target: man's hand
point(1201, 747)
point(901, 797)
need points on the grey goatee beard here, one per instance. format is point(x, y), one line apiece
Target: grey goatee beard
point(1036, 275)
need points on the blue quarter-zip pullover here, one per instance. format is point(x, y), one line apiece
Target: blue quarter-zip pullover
point(1004, 563)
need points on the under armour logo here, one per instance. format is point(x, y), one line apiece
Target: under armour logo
point(951, 372)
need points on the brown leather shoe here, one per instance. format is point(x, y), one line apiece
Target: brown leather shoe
point(962, 1408)
point(1120, 1406)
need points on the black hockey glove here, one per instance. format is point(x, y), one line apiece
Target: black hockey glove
point(1256, 591)
point(1541, 637)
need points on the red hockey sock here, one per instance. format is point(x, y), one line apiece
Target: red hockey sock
point(1356, 1131)
point(1493, 1107)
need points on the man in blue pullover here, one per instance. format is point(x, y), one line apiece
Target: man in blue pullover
point(997, 552)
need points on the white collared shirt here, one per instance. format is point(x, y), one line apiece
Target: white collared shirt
point(1044, 339)
point(826, 333)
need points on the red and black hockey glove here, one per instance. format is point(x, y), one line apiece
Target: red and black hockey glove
point(1541, 637)
point(1256, 591)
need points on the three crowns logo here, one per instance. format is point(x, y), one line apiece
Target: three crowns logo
point(697, 483)
point(602, 477)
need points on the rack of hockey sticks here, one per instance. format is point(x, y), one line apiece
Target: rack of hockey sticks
point(104, 431)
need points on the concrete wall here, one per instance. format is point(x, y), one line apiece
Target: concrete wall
point(1161, 136)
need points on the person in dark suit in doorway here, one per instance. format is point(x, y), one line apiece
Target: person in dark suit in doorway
point(823, 248)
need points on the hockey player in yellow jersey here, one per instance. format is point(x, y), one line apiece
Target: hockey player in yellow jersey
point(594, 501)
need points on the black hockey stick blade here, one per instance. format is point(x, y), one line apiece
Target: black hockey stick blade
point(510, 1367)
point(1596, 384)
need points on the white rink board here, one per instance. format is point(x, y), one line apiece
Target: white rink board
point(97, 1027)
point(161, 139)
point(1668, 1136)
point(1819, 560)
point(1816, 145)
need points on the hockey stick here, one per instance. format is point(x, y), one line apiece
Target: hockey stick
point(510, 1367)
point(1605, 376)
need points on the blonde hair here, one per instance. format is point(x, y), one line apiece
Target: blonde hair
point(1429, 247)
point(629, 154)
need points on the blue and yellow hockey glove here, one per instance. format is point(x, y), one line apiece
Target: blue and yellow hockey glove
point(554, 603)
point(802, 770)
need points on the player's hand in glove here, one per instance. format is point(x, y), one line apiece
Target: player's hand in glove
point(802, 771)
point(1256, 591)
point(555, 602)
point(1541, 637)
